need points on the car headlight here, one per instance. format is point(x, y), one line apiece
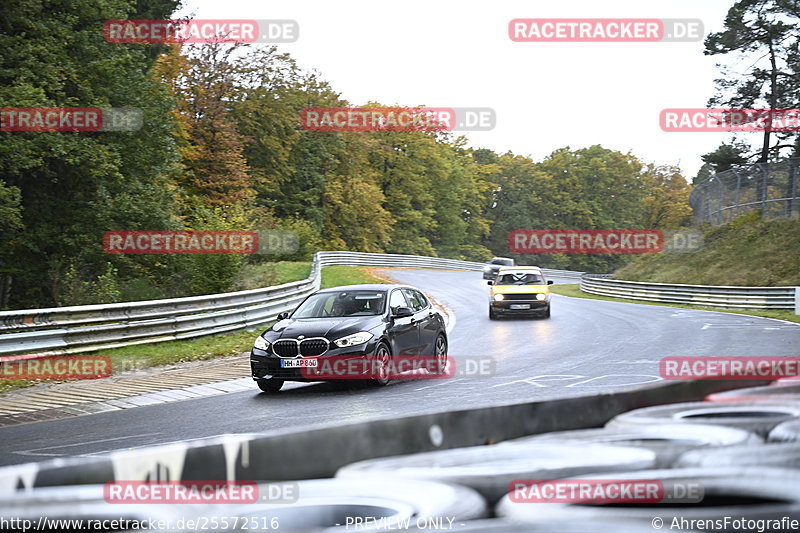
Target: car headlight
point(261, 344)
point(498, 297)
point(541, 296)
point(354, 340)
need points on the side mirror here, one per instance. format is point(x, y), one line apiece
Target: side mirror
point(550, 282)
point(490, 282)
point(283, 316)
point(402, 312)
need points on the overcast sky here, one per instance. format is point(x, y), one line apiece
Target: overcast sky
point(448, 53)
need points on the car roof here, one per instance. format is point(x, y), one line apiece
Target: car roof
point(366, 287)
point(522, 268)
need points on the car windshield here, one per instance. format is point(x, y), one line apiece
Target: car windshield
point(344, 303)
point(499, 261)
point(520, 278)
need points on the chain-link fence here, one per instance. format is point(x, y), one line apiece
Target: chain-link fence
point(770, 188)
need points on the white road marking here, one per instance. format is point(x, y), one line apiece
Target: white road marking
point(534, 380)
point(30, 452)
point(444, 382)
point(650, 379)
point(586, 379)
point(709, 325)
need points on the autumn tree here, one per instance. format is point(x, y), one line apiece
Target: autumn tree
point(666, 204)
point(204, 85)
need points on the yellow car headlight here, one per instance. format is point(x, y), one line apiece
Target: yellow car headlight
point(498, 297)
point(541, 296)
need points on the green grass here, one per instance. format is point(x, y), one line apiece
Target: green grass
point(748, 251)
point(573, 290)
point(142, 356)
point(335, 276)
point(256, 276)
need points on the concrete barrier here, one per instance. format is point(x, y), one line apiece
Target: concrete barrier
point(319, 453)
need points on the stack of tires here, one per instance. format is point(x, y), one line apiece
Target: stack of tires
point(741, 448)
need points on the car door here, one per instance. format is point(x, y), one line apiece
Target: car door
point(404, 332)
point(425, 319)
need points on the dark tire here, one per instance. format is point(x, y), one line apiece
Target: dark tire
point(786, 432)
point(490, 469)
point(759, 417)
point(546, 314)
point(492, 314)
point(752, 493)
point(383, 356)
point(777, 454)
point(771, 393)
point(440, 351)
point(270, 385)
point(323, 505)
point(667, 441)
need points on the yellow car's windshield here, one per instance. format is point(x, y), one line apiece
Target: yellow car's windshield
point(520, 279)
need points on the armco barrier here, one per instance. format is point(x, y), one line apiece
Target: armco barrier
point(64, 330)
point(705, 295)
point(318, 453)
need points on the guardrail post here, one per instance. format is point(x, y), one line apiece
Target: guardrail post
point(797, 300)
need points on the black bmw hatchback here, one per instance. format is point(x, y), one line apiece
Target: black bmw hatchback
point(367, 322)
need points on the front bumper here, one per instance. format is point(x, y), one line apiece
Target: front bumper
point(533, 306)
point(265, 365)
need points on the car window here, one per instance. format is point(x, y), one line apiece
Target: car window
point(520, 278)
point(421, 297)
point(345, 303)
point(502, 261)
point(414, 298)
point(396, 300)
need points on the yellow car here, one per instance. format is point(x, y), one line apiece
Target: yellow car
point(519, 290)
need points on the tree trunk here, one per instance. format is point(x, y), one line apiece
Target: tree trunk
point(773, 96)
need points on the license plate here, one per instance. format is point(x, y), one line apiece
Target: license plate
point(299, 363)
point(520, 306)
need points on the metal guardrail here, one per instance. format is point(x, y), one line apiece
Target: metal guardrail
point(726, 297)
point(63, 330)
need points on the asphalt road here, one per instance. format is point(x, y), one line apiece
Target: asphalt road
point(587, 346)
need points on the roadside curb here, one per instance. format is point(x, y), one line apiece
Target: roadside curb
point(152, 386)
